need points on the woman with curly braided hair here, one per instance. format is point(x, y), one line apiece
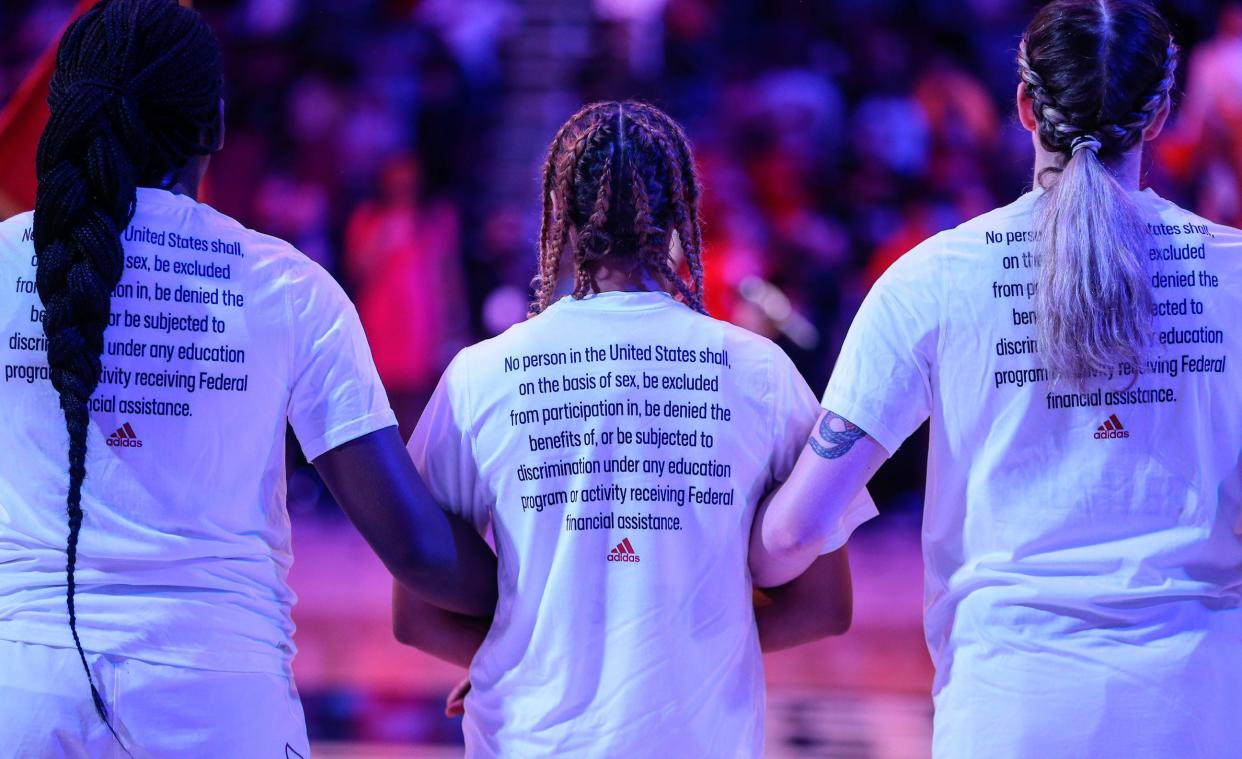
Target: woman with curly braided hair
point(1077, 353)
point(617, 443)
point(156, 350)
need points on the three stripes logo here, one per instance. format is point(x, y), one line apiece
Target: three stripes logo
point(124, 437)
point(624, 552)
point(1112, 429)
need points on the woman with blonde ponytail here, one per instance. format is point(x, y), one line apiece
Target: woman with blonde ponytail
point(1094, 302)
point(1079, 357)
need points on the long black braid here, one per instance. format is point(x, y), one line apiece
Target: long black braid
point(135, 94)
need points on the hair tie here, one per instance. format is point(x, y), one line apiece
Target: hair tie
point(1086, 142)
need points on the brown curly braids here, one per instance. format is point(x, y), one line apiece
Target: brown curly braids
point(622, 175)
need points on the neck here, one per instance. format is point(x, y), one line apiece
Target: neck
point(1127, 169)
point(187, 180)
point(624, 279)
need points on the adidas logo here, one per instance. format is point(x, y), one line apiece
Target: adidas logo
point(124, 437)
point(624, 552)
point(1112, 429)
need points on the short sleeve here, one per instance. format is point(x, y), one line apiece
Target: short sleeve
point(882, 379)
point(442, 449)
point(795, 412)
point(793, 409)
point(336, 395)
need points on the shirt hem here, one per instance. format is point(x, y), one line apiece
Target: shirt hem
point(864, 420)
point(854, 519)
point(344, 433)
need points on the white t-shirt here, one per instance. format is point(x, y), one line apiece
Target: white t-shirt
point(220, 336)
point(617, 447)
point(1083, 550)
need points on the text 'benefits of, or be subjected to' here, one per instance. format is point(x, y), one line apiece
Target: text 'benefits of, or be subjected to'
point(612, 459)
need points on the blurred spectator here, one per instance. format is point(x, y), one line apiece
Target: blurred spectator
point(832, 136)
point(401, 256)
point(1210, 134)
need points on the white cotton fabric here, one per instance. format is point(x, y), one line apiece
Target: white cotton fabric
point(185, 545)
point(1082, 585)
point(157, 710)
point(594, 654)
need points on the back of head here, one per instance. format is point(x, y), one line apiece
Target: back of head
point(1099, 73)
point(135, 94)
point(618, 184)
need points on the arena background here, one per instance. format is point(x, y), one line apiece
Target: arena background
point(832, 136)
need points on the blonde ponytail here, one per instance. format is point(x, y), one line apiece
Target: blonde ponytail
point(1094, 300)
point(1099, 73)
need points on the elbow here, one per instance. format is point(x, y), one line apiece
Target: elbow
point(786, 542)
point(830, 623)
point(785, 554)
point(840, 616)
point(839, 622)
point(448, 584)
point(775, 570)
point(404, 634)
point(788, 534)
point(404, 629)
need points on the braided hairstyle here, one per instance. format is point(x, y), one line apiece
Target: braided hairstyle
point(1099, 73)
point(135, 94)
point(621, 176)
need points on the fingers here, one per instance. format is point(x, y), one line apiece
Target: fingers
point(455, 704)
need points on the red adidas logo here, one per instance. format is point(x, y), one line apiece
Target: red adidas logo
point(124, 437)
point(624, 552)
point(1112, 429)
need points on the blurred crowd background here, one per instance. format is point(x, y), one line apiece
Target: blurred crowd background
point(398, 143)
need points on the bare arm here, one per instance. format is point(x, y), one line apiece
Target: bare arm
point(791, 527)
point(455, 638)
point(435, 554)
point(818, 604)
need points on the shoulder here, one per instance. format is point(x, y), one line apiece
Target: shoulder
point(17, 244)
point(1016, 215)
point(267, 248)
point(17, 230)
point(960, 254)
point(272, 258)
point(273, 269)
point(1189, 222)
point(201, 219)
point(508, 353)
point(749, 344)
point(756, 361)
point(1007, 227)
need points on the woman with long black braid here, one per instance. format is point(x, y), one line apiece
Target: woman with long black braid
point(160, 348)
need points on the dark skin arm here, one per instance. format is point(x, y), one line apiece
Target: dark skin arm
point(454, 638)
point(817, 604)
point(446, 635)
point(433, 554)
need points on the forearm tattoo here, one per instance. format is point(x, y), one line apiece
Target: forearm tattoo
point(840, 439)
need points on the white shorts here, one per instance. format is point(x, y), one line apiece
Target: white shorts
point(158, 710)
